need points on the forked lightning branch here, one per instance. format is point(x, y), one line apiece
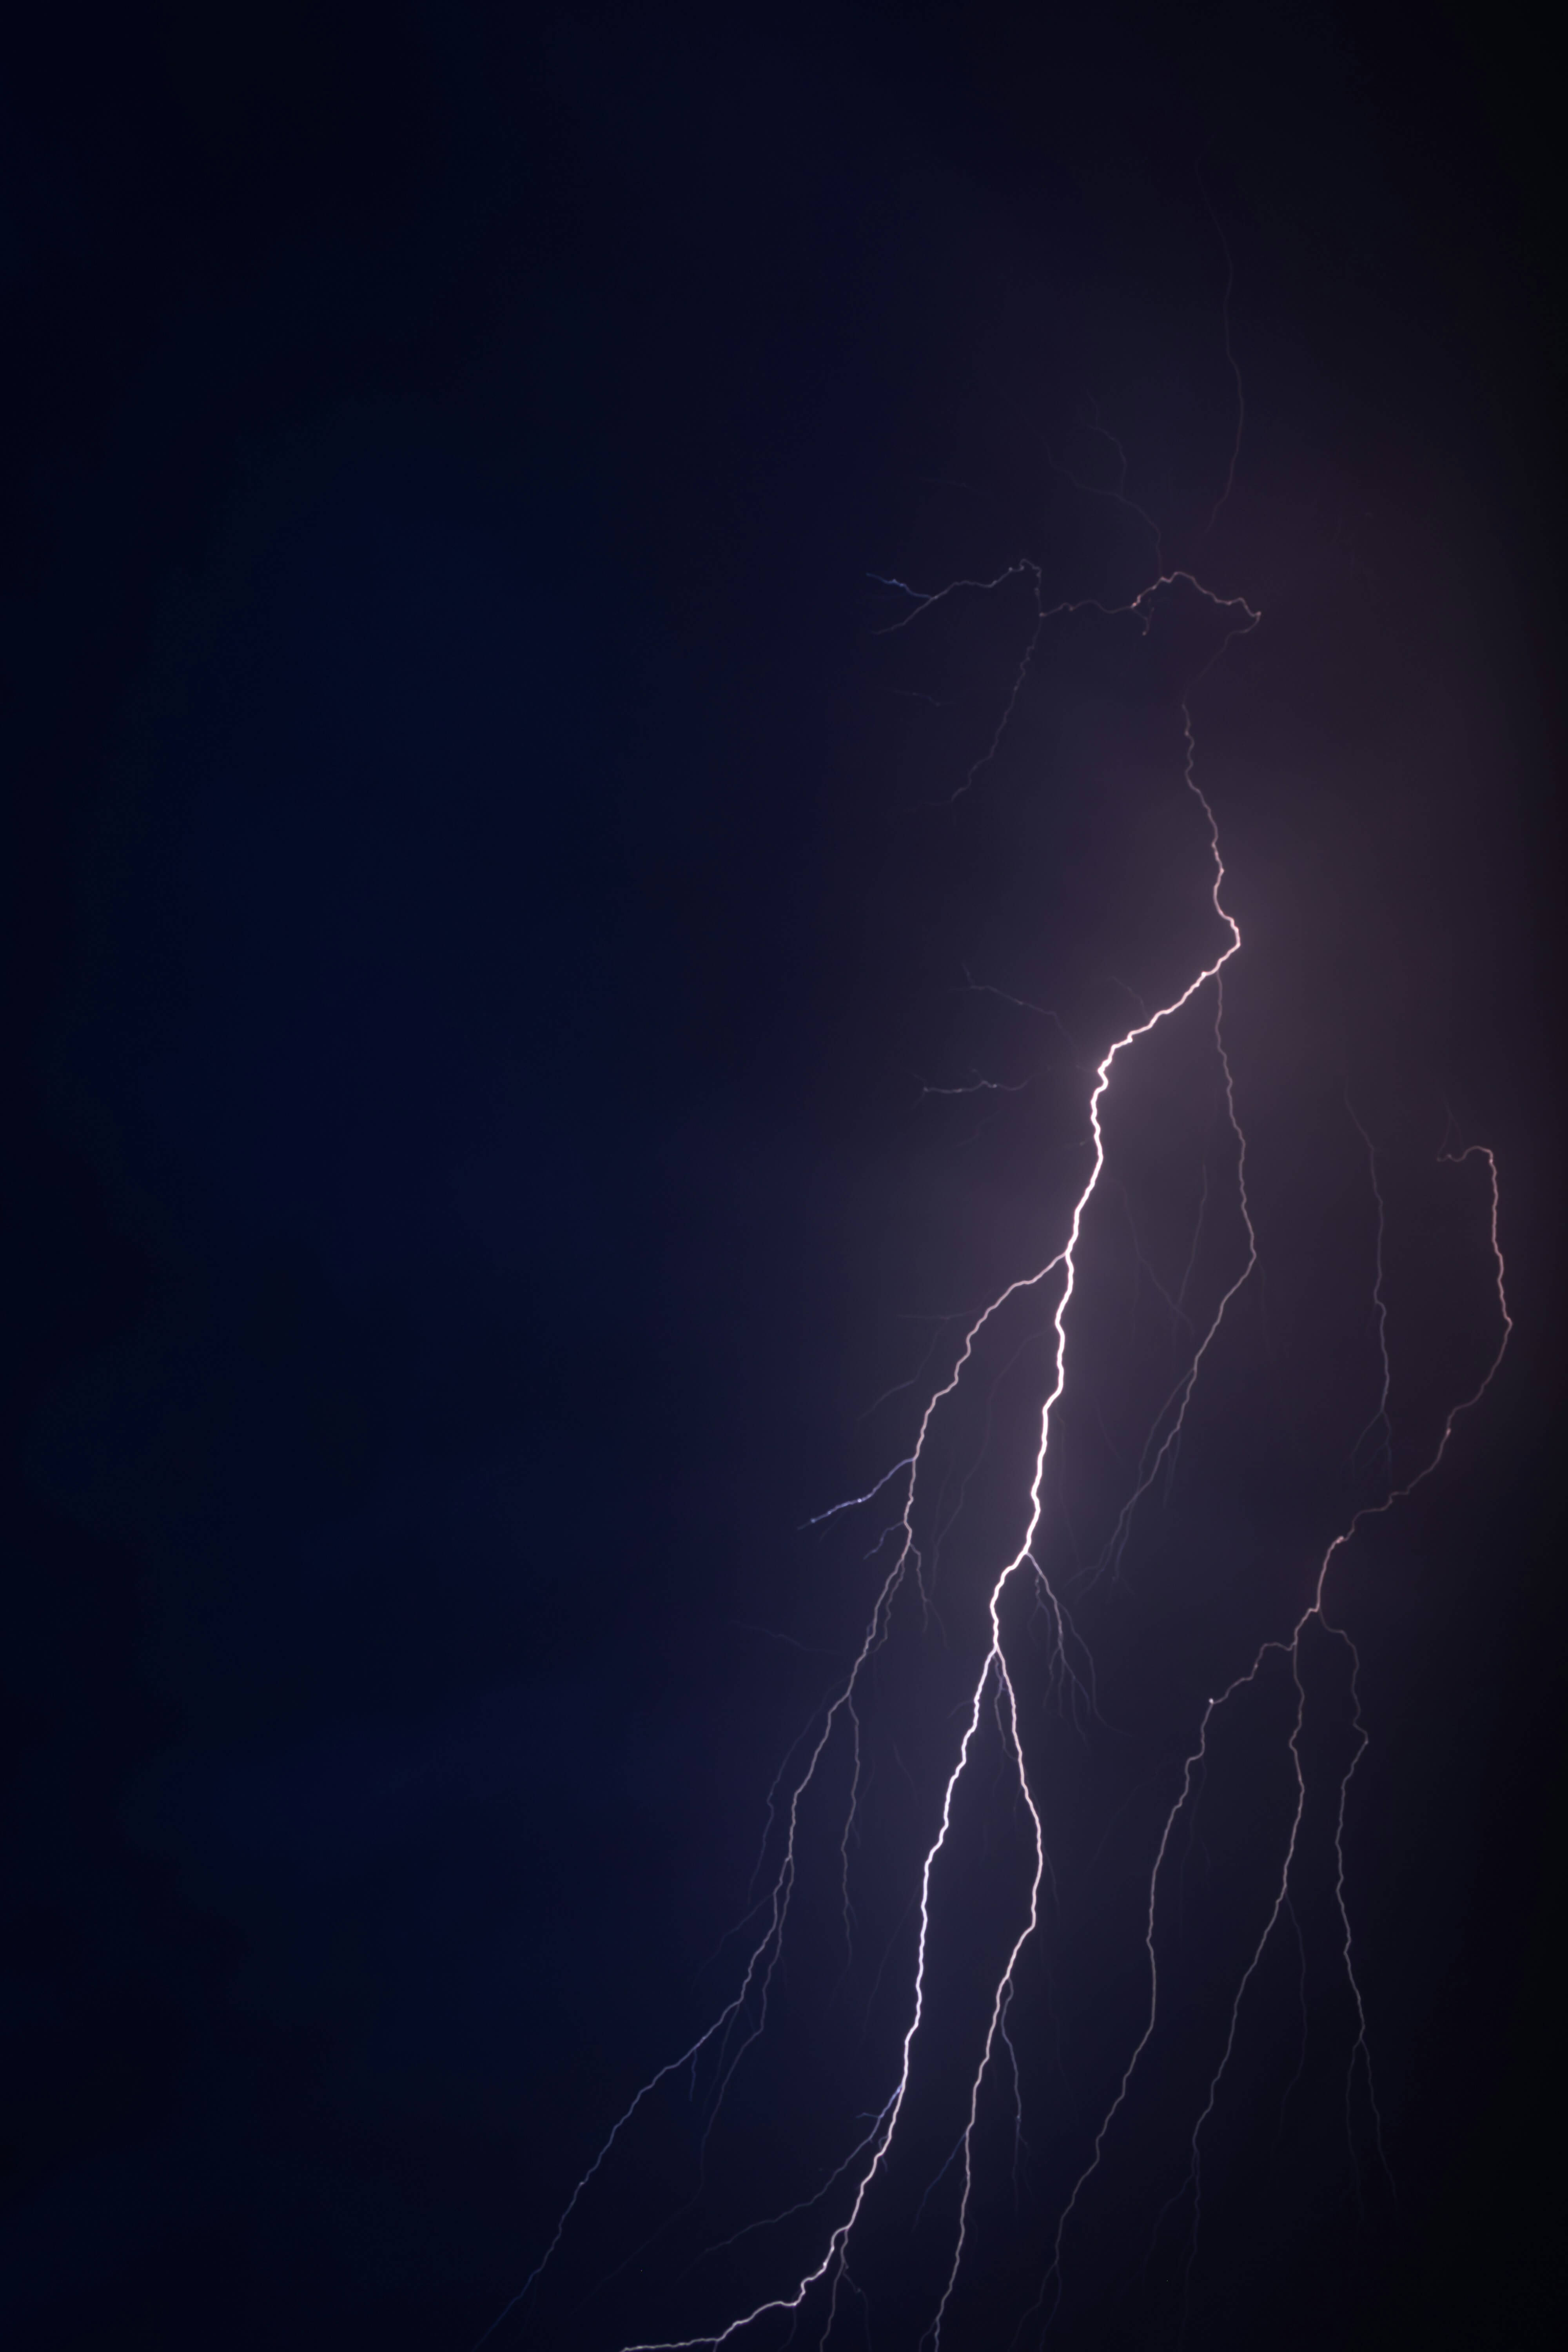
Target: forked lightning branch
point(817, 2295)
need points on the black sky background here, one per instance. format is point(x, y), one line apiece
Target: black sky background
point(480, 932)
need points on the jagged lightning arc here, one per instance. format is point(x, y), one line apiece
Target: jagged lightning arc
point(745, 2018)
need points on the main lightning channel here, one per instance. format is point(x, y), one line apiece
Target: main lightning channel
point(994, 1675)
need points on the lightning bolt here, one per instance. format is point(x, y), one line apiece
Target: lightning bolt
point(724, 2043)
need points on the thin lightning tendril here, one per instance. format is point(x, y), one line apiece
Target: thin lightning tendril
point(1380, 1420)
point(1290, 1649)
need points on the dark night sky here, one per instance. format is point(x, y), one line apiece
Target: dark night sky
point(482, 919)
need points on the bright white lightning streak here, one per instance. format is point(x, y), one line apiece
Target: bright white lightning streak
point(994, 1677)
point(995, 1656)
point(994, 1669)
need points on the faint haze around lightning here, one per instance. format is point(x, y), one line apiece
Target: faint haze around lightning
point(741, 2020)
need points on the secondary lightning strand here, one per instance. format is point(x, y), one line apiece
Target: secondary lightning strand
point(1283, 1895)
point(1197, 1237)
point(773, 2221)
point(1117, 495)
point(1230, 360)
point(1290, 1649)
point(924, 601)
point(1177, 1314)
point(1379, 1304)
point(853, 1502)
